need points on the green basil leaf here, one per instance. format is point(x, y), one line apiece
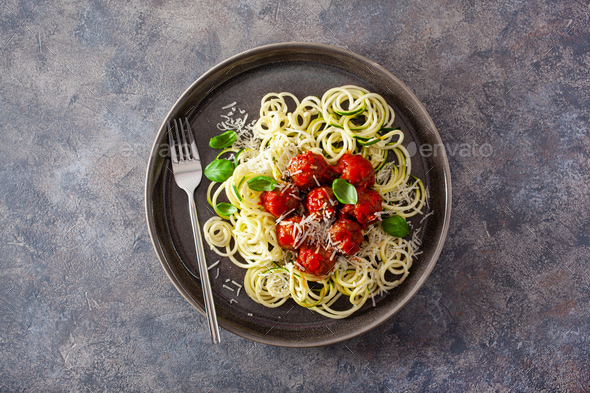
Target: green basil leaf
point(226, 209)
point(219, 170)
point(224, 140)
point(344, 192)
point(396, 226)
point(262, 183)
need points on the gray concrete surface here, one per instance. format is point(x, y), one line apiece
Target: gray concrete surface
point(85, 303)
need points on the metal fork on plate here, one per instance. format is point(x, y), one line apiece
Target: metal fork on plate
point(188, 173)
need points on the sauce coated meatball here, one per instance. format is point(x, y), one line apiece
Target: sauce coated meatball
point(369, 202)
point(321, 201)
point(346, 236)
point(316, 260)
point(356, 170)
point(279, 201)
point(305, 168)
point(289, 235)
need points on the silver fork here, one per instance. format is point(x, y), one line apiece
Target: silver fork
point(188, 173)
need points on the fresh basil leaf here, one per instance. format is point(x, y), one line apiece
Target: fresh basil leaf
point(224, 140)
point(262, 183)
point(226, 209)
point(219, 170)
point(396, 226)
point(344, 192)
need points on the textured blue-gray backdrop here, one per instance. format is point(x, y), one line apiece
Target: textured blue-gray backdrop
point(86, 306)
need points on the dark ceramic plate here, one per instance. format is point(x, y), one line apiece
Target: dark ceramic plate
point(303, 69)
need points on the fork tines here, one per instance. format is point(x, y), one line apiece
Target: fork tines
point(182, 142)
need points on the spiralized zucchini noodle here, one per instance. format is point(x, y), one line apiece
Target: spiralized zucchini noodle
point(345, 119)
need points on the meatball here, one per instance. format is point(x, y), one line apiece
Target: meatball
point(356, 170)
point(306, 168)
point(321, 201)
point(315, 259)
point(289, 235)
point(280, 201)
point(369, 202)
point(346, 236)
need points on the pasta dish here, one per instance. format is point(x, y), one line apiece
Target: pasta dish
point(313, 202)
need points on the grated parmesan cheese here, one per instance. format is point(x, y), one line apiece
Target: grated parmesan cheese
point(283, 216)
point(312, 230)
point(212, 266)
point(426, 216)
point(237, 285)
point(316, 181)
point(240, 125)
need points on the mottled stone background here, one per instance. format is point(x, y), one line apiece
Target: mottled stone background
point(86, 306)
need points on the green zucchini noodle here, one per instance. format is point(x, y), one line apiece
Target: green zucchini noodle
point(346, 119)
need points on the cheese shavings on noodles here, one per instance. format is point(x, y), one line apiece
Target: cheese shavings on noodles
point(346, 119)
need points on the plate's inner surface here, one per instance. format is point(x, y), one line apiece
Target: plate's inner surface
point(247, 89)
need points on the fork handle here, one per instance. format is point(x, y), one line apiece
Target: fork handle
point(204, 272)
